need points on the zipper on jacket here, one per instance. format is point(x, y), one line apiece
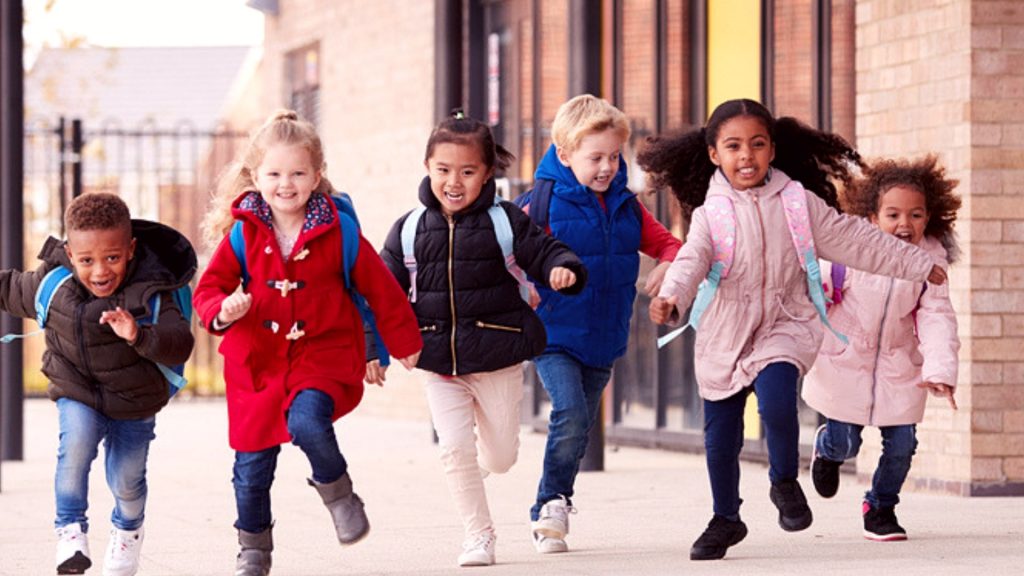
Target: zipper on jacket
point(764, 255)
point(451, 287)
point(481, 324)
point(431, 328)
point(878, 350)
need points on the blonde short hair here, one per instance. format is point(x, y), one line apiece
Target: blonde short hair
point(584, 115)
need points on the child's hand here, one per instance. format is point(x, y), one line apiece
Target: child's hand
point(661, 309)
point(122, 323)
point(375, 373)
point(937, 275)
point(234, 307)
point(410, 361)
point(655, 278)
point(561, 278)
point(940, 390)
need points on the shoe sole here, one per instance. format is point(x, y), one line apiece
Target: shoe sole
point(796, 525)
point(551, 530)
point(472, 563)
point(884, 537)
point(355, 540)
point(550, 546)
point(77, 564)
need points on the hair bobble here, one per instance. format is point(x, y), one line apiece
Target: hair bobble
point(458, 114)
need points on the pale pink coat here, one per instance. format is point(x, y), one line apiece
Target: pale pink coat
point(761, 312)
point(873, 380)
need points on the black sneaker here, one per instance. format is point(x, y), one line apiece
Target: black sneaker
point(717, 537)
point(880, 524)
point(824, 473)
point(794, 515)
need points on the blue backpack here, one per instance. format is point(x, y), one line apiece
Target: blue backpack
point(56, 278)
point(349, 223)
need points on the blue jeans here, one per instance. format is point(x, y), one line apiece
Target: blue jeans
point(776, 388)
point(311, 426)
point(575, 391)
point(126, 445)
point(840, 441)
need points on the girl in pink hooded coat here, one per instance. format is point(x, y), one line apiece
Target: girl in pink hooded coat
point(902, 340)
point(760, 332)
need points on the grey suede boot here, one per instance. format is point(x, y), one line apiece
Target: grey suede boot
point(254, 557)
point(346, 509)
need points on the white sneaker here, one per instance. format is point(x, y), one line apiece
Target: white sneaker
point(554, 518)
point(546, 545)
point(72, 550)
point(478, 550)
point(122, 557)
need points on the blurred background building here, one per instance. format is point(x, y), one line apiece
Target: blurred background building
point(894, 78)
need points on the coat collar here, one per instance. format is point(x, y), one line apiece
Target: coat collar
point(720, 185)
point(569, 188)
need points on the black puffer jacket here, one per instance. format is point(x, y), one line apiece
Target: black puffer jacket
point(85, 360)
point(471, 315)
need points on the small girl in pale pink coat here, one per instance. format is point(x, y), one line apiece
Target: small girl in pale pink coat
point(761, 332)
point(902, 340)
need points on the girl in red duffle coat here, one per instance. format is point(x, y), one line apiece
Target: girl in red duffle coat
point(294, 352)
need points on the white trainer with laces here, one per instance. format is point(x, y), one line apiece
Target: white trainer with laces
point(72, 550)
point(554, 518)
point(478, 550)
point(123, 551)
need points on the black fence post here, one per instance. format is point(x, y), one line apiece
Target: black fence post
point(12, 127)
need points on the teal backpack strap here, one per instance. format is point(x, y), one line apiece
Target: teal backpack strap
point(47, 289)
point(721, 217)
point(349, 224)
point(237, 240)
point(794, 200)
point(409, 247)
point(175, 375)
point(506, 239)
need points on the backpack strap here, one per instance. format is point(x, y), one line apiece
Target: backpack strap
point(409, 247)
point(237, 239)
point(539, 200)
point(721, 217)
point(47, 289)
point(506, 239)
point(175, 375)
point(798, 220)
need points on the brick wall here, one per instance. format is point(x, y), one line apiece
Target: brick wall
point(377, 112)
point(948, 77)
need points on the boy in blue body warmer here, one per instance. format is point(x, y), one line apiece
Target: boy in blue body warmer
point(604, 223)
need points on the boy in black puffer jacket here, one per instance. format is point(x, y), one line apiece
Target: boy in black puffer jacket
point(102, 363)
point(477, 328)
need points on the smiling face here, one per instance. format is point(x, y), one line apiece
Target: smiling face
point(457, 174)
point(285, 178)
point(595, 161)
point(744, 151)
point(902, 212)
point(100, 258)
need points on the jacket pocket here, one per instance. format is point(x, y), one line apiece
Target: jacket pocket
point(493, 326)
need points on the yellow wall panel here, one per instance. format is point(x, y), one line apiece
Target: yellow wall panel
point(734, 50)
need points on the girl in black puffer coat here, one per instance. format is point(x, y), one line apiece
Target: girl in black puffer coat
point(477, 328)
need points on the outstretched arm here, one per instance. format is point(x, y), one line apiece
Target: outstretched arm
point(544, 257)
point(688, 270)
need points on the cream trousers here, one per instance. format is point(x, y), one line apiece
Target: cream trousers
point(476, 417)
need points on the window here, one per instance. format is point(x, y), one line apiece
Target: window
point(302, 83)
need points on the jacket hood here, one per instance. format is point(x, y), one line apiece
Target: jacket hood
point(566, 184)
point(483, 202)
point(164, 260)
point(774, 183)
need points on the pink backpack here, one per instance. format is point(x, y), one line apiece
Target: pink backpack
point(721, 217)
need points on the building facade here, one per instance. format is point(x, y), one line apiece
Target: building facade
point(894, 78)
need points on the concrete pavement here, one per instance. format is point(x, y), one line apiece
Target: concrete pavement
point(639, 516)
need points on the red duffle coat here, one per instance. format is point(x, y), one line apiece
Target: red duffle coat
point(264, 367)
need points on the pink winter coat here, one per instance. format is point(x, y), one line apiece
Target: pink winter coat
point(761, 313)
point(873, 379)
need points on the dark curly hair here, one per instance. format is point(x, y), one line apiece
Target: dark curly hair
point(461, 129)
point(680, 161)
point(97, 211)
point(926, 176)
